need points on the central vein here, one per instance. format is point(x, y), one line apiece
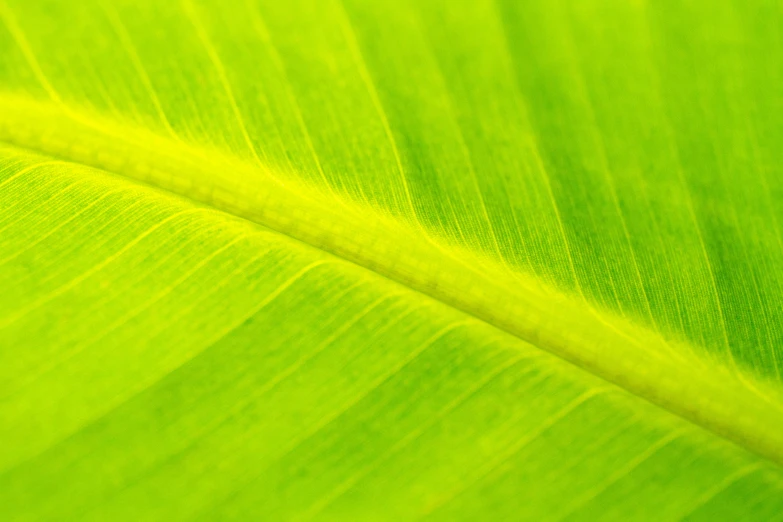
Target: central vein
point(632, 357)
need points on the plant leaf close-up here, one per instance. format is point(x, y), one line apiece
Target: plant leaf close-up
point(391, 260)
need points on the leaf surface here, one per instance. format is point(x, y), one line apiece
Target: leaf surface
point(391, 260)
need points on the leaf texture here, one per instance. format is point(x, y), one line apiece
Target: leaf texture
point(391, 260)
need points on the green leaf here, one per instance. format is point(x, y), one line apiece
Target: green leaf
point(391, 260)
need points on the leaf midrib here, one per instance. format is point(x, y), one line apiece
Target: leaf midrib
point(729, 405)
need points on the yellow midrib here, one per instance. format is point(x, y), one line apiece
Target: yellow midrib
point(730, 405)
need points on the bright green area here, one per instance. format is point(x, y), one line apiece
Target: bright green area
point(387, 223)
